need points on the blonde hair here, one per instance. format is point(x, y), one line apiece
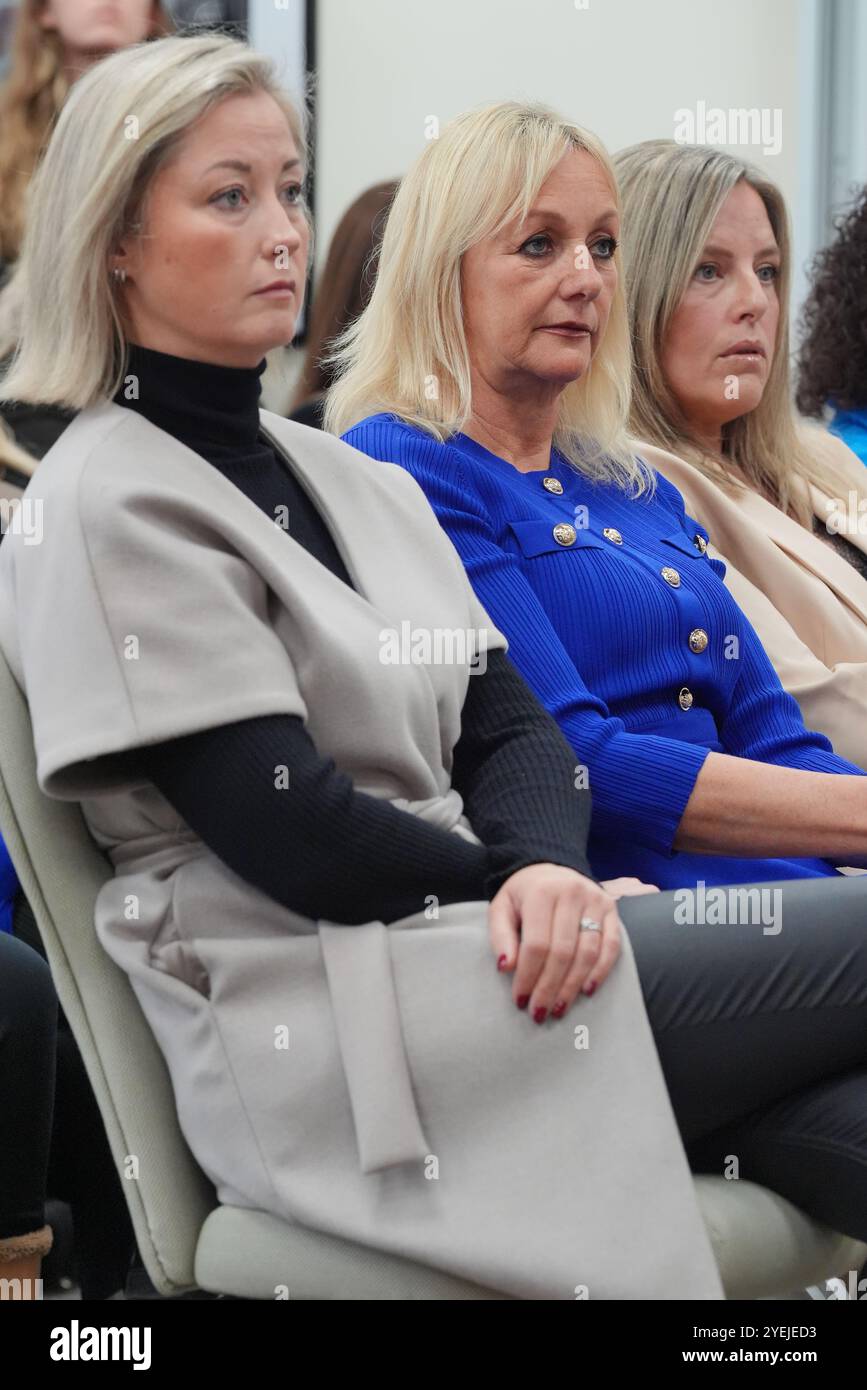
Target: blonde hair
point(485, 169)
point(12, 455)
point(91, 189)
point(33, 92)
point(671, 195)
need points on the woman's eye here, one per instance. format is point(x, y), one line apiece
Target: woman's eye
point(227, 193)
point(700, 273)
point(539, 239)
point(293, 189)
point(768, 273)
point(605, 247)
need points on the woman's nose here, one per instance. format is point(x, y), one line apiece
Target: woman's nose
point(281, 248)
point(751, 298)
point(582, 276)
point(284, 230)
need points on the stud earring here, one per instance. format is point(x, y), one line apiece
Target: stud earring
point(118, 274)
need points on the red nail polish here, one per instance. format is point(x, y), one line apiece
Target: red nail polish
point(501, 962)
point(523, 1001)
point(540, 1014)
point(590, 988)
point(558, 1010)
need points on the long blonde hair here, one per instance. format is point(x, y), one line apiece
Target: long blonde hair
point(407, 352)
point(91, 189)
point(12, 455)
point(671, 195)
point(32, 94)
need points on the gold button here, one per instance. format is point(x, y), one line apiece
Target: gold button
point(564, 534)
point(552, 484)
point(670, 576)
point(699, 542)
point(697, 639)
point(684, 699)
point(611, 534)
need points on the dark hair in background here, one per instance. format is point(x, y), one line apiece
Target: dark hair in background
point(832, 361)
point(346, 282)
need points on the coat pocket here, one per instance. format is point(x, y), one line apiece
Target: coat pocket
point(173, 951)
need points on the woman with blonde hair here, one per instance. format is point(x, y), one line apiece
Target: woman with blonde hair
point(707, 253)
point(343, 871)
point(53, 43)
point(493, 363)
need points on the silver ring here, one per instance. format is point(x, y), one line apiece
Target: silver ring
point(587, 924)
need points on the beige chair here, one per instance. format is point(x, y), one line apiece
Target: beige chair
point(764, 1246)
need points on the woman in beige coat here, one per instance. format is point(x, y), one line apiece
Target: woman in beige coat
point(707, 257)
point(273, 733)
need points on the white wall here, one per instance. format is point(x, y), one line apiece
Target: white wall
point(621, 67)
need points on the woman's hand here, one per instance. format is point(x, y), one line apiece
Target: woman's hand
point(535, 929)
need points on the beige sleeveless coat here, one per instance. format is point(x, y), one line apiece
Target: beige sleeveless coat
point(370, 1081)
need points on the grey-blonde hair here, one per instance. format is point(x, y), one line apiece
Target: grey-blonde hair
point(407, 352)
point(90, 189)
point(671, 195)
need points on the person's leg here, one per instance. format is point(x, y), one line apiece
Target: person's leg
point(81, 1169)
point(83, 1173)
point(762, 1035)
point(28, 1024)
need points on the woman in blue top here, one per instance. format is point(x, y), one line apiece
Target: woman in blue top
point(833, 354)
point(498, 287)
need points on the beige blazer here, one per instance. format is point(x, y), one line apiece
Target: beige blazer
point(808, 604)
point(375, 1082)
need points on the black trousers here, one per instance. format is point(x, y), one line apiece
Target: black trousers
point(762, 1038)
point(28, 1047)
point(54, 1140)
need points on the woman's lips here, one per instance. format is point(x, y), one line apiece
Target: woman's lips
point(565, 330)
point(749, 361)
point(746, 350)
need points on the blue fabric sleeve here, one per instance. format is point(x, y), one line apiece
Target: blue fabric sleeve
point(8, 888)
point(765, 723)
point(640, 783)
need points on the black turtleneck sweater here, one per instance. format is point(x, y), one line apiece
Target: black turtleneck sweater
point(353, 857)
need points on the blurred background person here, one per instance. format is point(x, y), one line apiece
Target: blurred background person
point(344, 289)
point(53, 43)
point(706, 250)
point(28, 1038)
point(832, 363)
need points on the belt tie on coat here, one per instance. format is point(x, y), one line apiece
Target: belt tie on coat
point(367, 1019)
